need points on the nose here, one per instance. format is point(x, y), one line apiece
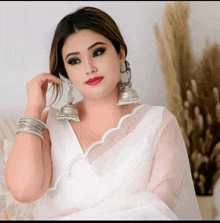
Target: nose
point(90, 68)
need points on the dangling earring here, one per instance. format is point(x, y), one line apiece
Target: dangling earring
point(127, 95)
point(68, 111)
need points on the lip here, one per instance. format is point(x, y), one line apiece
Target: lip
point(94, 81)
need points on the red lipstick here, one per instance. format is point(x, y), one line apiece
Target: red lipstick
point(94, 80)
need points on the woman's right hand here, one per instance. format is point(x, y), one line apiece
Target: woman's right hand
point(37, 89)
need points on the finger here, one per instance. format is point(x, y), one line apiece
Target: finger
point(44, 86)
point(48, 76)
point(50, 79)
point(57, 81)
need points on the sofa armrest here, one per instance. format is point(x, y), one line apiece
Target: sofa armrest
point(8, 127)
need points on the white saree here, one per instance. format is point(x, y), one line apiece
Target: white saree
point(139, 171)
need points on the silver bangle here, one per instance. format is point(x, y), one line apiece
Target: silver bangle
point(33, 120)
point(32, 132)
point(31, 125)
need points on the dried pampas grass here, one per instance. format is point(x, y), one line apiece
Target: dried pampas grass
point(210, 70)
point(193, 93)
point(175, 52)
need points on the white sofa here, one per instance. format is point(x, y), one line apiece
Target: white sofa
point(8, 124)
point(209, 205)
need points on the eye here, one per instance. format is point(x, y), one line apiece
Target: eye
point(98, 52)
point(73, 61)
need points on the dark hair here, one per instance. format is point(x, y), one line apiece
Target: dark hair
point(84, 18)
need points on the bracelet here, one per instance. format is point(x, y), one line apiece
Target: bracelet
point(33, 120)
point(32, 132)
point(31, 125)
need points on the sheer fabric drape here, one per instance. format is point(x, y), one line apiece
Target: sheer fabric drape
point(143, 175)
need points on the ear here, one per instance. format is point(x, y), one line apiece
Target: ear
point(122, 54)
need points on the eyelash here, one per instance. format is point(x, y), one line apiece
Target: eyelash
point(102, 50)
point(73, 60)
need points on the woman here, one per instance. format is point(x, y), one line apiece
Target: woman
point(99, 158)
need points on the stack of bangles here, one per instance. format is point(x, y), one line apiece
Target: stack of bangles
point(31, 125)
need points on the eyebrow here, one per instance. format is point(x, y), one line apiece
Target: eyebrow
point(89, 48)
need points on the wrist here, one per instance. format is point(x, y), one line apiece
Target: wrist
point(33, 112)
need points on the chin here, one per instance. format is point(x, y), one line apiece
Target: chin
point(99, 94)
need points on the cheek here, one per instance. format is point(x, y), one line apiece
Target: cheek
point(73, 73)
point(112, 66)
point(115, 71)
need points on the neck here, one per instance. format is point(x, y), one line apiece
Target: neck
point(104, 108)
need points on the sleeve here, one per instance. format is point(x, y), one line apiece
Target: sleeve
point(171, 177)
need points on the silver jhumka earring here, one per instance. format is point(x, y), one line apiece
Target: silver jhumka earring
point(68, 111)
point(127, 95)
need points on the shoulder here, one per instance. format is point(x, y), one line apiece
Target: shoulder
point(161, 112)
point(167, 115)
point(164, 118)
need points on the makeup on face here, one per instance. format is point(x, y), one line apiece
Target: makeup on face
point(94, 81)
point(88, 55)
point(97, 52)
point(89, 48)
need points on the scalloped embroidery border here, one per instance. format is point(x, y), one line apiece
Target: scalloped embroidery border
point(83, 155)
point(102, 141)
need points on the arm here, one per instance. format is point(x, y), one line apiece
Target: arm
point(169, 161)
point(171, 178)
point(28, 170)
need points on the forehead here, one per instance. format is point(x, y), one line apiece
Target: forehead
point(82, 40)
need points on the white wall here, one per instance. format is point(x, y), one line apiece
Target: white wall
point(27, 29)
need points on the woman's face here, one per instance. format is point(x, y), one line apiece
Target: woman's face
point(87, 54)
